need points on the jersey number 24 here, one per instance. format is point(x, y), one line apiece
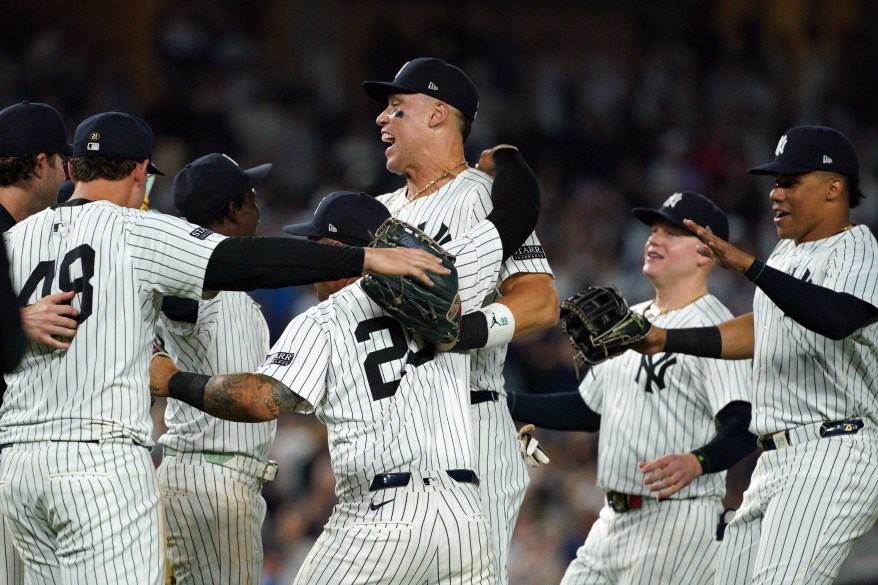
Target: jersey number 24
point(398, 350)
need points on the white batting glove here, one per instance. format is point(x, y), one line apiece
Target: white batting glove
point(531, 451)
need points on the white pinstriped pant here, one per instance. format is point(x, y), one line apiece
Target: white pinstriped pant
point(82, 512)
point(805, 507)
point(669, 542)
point(213, 522)
point(13, 568)
point(503, 473)
point(418, 535)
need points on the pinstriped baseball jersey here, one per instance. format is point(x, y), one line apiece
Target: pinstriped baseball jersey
point(665, 403)
point(449, 213)
point(120, 261)
point(389, 402)
point(801, 377)
point(231, 335)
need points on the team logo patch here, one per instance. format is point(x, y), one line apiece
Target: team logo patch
point(281, 358)
point(200, 233)
point(529, 253)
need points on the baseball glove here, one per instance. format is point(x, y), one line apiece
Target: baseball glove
point(600, 325)
point(434, 312)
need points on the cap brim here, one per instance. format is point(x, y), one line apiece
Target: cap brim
point(154, 170)
point(379, 90)
point(303, 229)
point(68, 151)
point(257, 174)
point(778, 168)
point(648, 216)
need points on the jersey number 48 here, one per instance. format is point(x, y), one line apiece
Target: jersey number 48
point(45, 273)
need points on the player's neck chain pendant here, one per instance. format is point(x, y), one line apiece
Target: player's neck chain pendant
point(436, 180)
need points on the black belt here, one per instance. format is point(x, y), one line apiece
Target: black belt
point(624, 502)
point(383, 481)
point(828, 429)
point(92, 441)
point(483, 396)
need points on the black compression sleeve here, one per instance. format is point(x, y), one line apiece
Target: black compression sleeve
point(188, 388)
point(732, 441)
point(697, 341)
point(250, 263)
point(12, 340)
point(564, 411)
point(515, 196)
point(830, 313)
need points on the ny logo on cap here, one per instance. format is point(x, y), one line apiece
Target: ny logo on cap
point(780, 145)
point(94, 136)
point(433, 86)
point(673, 200)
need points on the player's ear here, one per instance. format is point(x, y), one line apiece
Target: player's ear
point(40, 164)
point(834, 187)
point(439, 114)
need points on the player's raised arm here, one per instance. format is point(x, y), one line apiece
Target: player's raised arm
point(730, 340)
point(240, 397)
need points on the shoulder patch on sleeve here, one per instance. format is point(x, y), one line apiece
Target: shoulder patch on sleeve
point(200, 233)
point(529, 253)
point(280, 358)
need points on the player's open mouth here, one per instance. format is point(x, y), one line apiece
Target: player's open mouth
point(387, 137)
point(779, 215)
point(654, 256)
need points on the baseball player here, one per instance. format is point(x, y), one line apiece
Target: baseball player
point(212, 471)
point(661, 460)
point(397, 411)
point(33, 147)
point(812, 336)
point(77, 484)
point(430, 107)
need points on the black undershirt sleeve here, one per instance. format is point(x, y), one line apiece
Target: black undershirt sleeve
point(189, 388)
point(563, 411)
point(255, 262)
point(830, 313)
point(515, 196)
point(180, 309)
point(12, 340)
point(732, 441)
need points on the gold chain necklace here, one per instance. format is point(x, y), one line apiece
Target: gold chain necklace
point(652, 311)
point(436, 180)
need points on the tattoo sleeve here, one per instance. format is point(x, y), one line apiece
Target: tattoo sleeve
point(248, 397)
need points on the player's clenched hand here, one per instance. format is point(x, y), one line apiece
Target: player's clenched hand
point(531, 451)
point(161, 368)
point(51, 317)
point(403, 262)
point(486, 160)
point(671, 473)
point(722, 252)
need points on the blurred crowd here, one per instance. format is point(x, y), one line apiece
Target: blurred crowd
point(613, 107)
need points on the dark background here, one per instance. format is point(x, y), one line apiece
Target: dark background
point(614, 105)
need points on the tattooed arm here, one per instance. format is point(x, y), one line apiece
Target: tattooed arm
point(235, 397)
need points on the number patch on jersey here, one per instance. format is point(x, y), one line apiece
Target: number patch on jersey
point(81, 261)
point(398, 350)
point(200, 233)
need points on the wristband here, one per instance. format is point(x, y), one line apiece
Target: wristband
point(189, 388)
point(755, 269)
point(501, 324)
point(697, 341)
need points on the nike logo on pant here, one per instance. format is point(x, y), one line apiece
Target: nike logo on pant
point(373, 506)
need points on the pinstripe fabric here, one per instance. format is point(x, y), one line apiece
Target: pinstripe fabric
point(392, 404)
point(805, 506)
point(808, 503)
point(669, 542)
point(214, 515)
point(448, 213)
point(83, 513)
point(213, 523)
point(13, 568)
point(654, 405)
point(120, 261)
point(839, 378)
point(651, 406)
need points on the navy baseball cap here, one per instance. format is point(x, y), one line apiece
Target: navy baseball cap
point(31, 128)
point(811, 148)
point(351, 218)
point(433, 77)
point(208, 184)
point(687, 205)
point(115, 134)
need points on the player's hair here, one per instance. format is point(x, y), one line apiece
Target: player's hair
point(90, 168)
point(855, 194)
point(14, 169)
point(222, 215)
point(463, 123)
